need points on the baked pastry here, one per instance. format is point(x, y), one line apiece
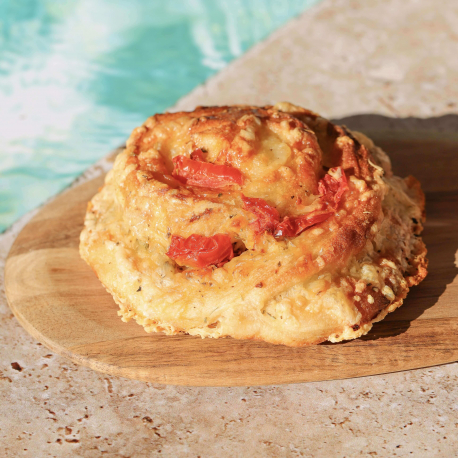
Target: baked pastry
point(256, 223)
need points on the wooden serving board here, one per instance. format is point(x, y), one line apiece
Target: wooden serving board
point(59, 300)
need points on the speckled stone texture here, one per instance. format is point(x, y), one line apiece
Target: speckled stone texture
point(391, 57)
point(394, 57)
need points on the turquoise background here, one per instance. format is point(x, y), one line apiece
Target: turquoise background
point(76, 76)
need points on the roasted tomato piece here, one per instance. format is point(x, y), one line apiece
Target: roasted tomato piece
point(332, 187)
point(200, 251)
point(267, 216)
point(196, 172)
point(166, 179)
point(292, 226)
point(198, 155)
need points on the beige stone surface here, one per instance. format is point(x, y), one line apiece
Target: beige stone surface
point(342, 57)
point(395, 57)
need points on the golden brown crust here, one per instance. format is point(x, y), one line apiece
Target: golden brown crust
point(331, 282)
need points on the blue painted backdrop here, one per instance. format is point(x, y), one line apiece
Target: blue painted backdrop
point(76, 76)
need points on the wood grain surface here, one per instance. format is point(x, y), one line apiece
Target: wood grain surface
point(58, 299)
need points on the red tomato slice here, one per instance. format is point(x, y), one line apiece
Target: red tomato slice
point(267, 216)
point(198, 155)
point(166, 179)
point(292, 226)
point(200, 251)
point(332, 187)
point(195, 172)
